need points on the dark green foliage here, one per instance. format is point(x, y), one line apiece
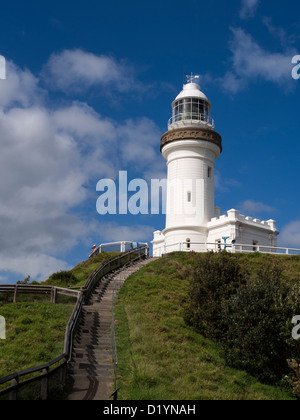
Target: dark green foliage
point(215, 278)
point(255, 321)
point(27, 281)
point(250, 315)
point(63, 279)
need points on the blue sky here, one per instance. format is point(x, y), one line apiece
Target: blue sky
point(88, 94)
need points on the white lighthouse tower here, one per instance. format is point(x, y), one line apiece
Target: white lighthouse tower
point(191, 147)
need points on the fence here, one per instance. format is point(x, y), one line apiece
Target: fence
point(216, 246)
point(42, 374)
point(21, 289)
point(121, 246)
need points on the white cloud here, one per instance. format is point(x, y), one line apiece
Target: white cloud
point(41, 182)
point(290, 235)
point(82, 121)
point(112, 232)
point(257, 207)
point(276, 32)
point(139, 141)
point(39, 266)
point(225, 184)
point(251, 62)
point(20, 87)
point(248, 8)
point(50, 161)
point(75, 70)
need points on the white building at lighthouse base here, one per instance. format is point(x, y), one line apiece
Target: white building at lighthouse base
point(233, 232)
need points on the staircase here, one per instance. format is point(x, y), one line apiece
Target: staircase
point(92, 367)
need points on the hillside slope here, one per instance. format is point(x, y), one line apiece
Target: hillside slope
point(160, 357)
point(35, 328)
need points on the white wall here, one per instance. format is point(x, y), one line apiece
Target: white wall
point(188, 162)
point(244, 230)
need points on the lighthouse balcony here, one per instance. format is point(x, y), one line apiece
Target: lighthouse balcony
point(191, 120)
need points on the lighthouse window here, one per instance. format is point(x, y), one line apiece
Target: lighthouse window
point(188, 243)
point(191, 108)
point(187, 109)
point(209, 172)
point(195, 110)
point(189, 196)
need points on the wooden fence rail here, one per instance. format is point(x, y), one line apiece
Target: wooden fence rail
point(59, 365)
point(26, 289)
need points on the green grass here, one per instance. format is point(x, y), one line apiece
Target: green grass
point(34, 334)
point(289, 263)
point(82, 270)
point(35, 330)
point(160, 357)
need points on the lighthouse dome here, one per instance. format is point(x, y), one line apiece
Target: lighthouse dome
point(191, 90)
point(191, 108)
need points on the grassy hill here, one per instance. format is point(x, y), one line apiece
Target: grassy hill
point(78, 275)
point(160, 357)
point(34, 334)
point(35, 328)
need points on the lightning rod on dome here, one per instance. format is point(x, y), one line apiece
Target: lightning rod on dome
point(192, 77)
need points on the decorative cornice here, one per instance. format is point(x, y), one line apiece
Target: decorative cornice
point(191, 133)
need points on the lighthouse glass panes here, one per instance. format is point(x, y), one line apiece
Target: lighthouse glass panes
point(191, 109)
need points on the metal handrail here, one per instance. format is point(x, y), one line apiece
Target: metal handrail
point(236, 247)
point(191, 118)
point(115, 393)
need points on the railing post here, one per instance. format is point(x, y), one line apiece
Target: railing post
point(44, 385)
point(15, 294)
point(13, 394)
point(53, 294)
point(63, 371)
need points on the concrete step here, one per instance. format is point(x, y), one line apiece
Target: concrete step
point(95, 372)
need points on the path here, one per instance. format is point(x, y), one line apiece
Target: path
point(92, 368)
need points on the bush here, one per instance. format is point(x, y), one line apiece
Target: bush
point(215, 278)
point(255, 322)
point(250, 317)
point(62, 279)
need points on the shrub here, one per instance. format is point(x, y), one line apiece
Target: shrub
point(215, 277)
point(63, 279)
point(253, 339)
point(257, 326)
point(250, 316)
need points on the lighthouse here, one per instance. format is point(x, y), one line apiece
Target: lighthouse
point(191, 147)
